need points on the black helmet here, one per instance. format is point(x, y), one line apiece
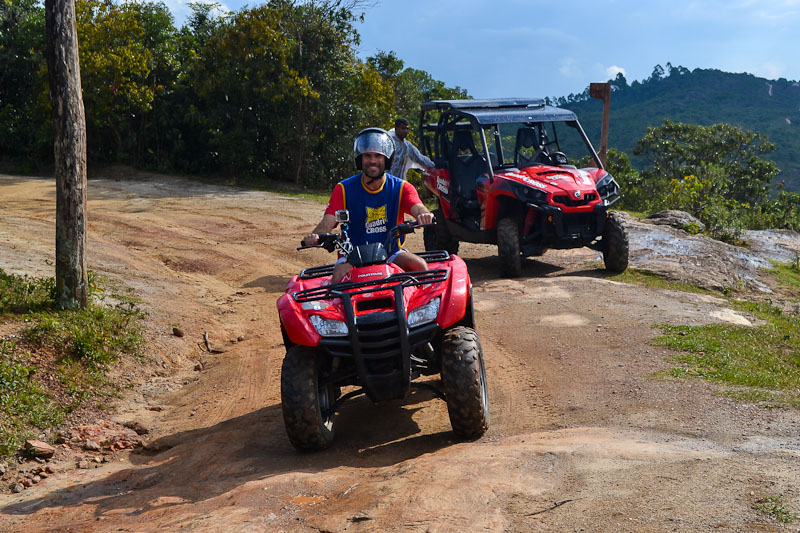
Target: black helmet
point(373, 140)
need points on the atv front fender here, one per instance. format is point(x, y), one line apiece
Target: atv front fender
point(454, 300)
point(295, 323)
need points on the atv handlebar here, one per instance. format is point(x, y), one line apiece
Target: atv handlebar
point(326, 241)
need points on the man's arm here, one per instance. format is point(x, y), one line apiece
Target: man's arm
point(415, 154)
point(325, 225)
point(421, 213)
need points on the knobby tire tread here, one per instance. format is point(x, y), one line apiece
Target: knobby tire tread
point(463, 378)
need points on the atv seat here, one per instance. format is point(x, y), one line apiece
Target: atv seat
point(466, 164)
point(527, 152)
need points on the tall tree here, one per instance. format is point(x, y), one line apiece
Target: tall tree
point(70, 153)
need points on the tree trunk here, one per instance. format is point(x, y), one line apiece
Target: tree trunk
point(70, 153)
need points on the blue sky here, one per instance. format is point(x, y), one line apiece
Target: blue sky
point(534, 48)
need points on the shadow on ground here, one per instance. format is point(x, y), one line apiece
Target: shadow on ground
point(204, 463)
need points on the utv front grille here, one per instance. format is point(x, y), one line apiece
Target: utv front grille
point(580, 224)
point(570, 202)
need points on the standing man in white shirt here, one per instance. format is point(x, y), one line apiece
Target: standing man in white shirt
point(406, 155)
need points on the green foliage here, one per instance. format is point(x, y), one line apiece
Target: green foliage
point(715, 173)
point(775, 507)
point(675, 150)
point(128, 58)
point(75, 347)
point(411, 86)
point(643, 277)
point(23, 403)
point(22, 294)
point(788, 274)
point(764, 358)
point(96, 335)
point(26, 135)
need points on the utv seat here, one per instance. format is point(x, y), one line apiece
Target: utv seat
point(466, 164)
point(527, 140)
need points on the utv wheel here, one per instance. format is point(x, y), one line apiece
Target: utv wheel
point(464, 381)
point(508, 248)
point(438, 237)
point(615, 249)
point(304, 400)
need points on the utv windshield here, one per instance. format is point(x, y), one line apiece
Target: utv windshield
point(515, 137)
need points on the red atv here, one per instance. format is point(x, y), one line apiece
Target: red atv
point(378, 330)
point(502, 178)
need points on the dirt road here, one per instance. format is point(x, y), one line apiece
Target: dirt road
point(583, 435)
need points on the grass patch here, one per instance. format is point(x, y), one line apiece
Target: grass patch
point(24, 404)
point(761, 364)
point(21, 294)
point(775, 508)
point(59, 360)
point(648, 279)
point(788, 274)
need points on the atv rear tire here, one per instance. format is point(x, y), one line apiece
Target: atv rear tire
point(615, 248)
point(464, 381)
point(508, 247)
point(438, 237)
point(304, 400)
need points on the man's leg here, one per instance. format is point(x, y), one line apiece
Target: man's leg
point(339, 271)
point(410, 262)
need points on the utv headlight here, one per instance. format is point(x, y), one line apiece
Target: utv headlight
point(329, 328)
point(607, 187)
point(426, 313)
point(530, 194)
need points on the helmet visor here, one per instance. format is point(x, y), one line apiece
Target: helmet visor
point(373, 142)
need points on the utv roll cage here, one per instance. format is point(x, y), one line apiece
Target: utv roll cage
point(476, 115)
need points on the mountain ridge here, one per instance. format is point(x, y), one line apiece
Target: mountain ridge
point(703, 97)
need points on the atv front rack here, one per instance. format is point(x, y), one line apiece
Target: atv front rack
point(379, 343)
point(352, 288)
point(435, 256)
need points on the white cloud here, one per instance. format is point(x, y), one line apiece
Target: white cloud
point(569, 68)
point(613, 70)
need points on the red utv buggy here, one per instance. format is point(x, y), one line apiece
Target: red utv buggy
point(502, 177)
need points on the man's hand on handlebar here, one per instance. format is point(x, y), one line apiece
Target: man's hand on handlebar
point(425, 218)
point(311, 239)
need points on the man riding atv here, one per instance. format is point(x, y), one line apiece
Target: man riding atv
point(376, 200)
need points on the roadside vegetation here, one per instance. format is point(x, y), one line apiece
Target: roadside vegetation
point(759, 364)
point(776, 508)
point(55, 361)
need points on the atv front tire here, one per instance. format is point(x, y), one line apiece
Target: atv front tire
point(304, 400)
point(508, 247)
point(438, 237)
point(615, 247)
point(464, 381)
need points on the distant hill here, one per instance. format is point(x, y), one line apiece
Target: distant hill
point(704, 97)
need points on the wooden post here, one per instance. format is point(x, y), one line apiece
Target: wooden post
point(602, 91)
point(70, 153)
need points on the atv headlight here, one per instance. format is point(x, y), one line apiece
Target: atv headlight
point(426, 313)
point(329, 328)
